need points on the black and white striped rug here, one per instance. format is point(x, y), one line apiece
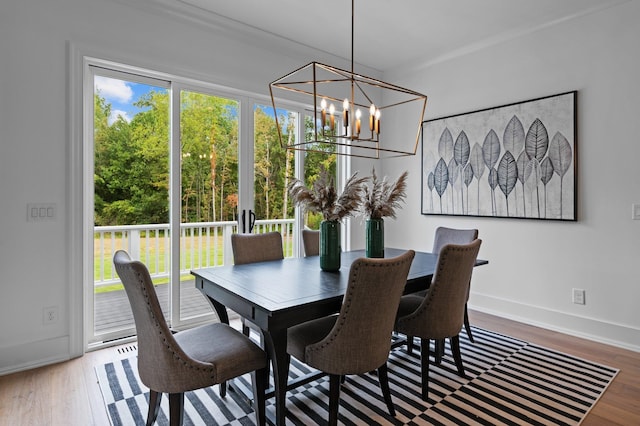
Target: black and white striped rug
point(508, 382)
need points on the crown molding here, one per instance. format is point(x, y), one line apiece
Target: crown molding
point(239, 31)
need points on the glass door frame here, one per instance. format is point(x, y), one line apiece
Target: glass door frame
point(246, 200)
point(92, 69)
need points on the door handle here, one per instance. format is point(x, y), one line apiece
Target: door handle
point(252, 220)
point(243, 219)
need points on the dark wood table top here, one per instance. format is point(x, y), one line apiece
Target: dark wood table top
point(275, 287)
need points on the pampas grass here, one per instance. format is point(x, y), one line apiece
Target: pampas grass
point(382, 198)
point(323, 196)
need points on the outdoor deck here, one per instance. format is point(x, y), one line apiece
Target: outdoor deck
point(203, 245)
point(112, 309)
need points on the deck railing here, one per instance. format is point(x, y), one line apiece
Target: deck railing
point(202, 245)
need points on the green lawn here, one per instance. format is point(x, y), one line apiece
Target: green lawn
point(153, 253)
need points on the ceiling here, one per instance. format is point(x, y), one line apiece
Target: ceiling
point(392, 33)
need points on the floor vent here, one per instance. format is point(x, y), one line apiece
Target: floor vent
point(128, 349)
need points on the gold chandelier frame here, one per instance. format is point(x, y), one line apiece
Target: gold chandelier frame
point(319, 85)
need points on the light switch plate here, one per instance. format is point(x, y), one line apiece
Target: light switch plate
point(39, 212)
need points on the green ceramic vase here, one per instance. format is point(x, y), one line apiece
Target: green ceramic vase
point(330, 245)
point(374, 238)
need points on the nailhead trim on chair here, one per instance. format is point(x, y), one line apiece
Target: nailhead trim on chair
point(164, 338)
point(347, 304)
point(433, 290)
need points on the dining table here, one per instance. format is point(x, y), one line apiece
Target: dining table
point(276, 295)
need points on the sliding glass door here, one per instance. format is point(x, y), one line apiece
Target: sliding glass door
point(130, 192)
point(172, 169)
point(208, 159)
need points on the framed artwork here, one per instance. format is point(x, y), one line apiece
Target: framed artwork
point(511, 161)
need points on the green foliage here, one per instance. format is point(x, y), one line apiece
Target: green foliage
point(209, 139)
point(131, 163)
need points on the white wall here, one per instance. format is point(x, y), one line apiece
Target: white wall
point(37, 266)
point(535, 264)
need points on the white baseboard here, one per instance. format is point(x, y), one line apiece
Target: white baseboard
point(33, 354)
point(618, 335)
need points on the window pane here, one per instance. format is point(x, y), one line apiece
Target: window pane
point(209, 173)
point(323, 156)
point(131, 193)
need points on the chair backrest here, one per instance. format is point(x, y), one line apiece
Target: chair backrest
point(360, 340)
point(311, 240)
point(162, 364)
point(441, 313)
point(445, 236)
point(251, 248)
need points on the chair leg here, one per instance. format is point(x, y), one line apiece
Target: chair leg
point(455, 350)
point(439, 350)
point(176, 408)
point(424, 367)
point(467, 326)
point(383, 379)
point(154, 406)
point(334, 398)
point(260, 379)
point(410, 344)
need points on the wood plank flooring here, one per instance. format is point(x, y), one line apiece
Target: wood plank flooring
point(68, 393)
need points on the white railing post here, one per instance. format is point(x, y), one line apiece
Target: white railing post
point(134, 243)
point(227, 253)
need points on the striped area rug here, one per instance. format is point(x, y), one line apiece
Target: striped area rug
point(509, 382)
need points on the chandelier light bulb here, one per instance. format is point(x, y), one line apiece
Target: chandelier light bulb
point(323, 113)
point(332, 122)
point(345, 115)
point(372, 113)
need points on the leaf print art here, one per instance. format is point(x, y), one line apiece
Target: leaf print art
point(560, 155)
point(507, 176)
point(520, 171)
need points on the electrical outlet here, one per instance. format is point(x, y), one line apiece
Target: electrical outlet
point(578, 296)
point(50, 315)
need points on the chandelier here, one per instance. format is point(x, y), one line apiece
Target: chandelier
point(347, 110)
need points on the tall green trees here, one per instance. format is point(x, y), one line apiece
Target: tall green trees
point(273, 165)
point(131, 163)
point(209, 145)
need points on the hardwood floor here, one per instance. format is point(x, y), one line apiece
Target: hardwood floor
point(68, 394)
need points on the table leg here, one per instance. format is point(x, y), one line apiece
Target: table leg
point(276, 345)
point(221, 310)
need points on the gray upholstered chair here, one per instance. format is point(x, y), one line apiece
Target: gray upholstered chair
point(356, 341)
point(192, 359)
point(311, 240)
point(252, 248)
point(440, 314)
point(443, 236)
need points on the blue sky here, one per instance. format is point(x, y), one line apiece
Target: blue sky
point(122, 95)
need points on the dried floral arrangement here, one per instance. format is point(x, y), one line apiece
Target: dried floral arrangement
point(382, 198)
point(323, 196)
